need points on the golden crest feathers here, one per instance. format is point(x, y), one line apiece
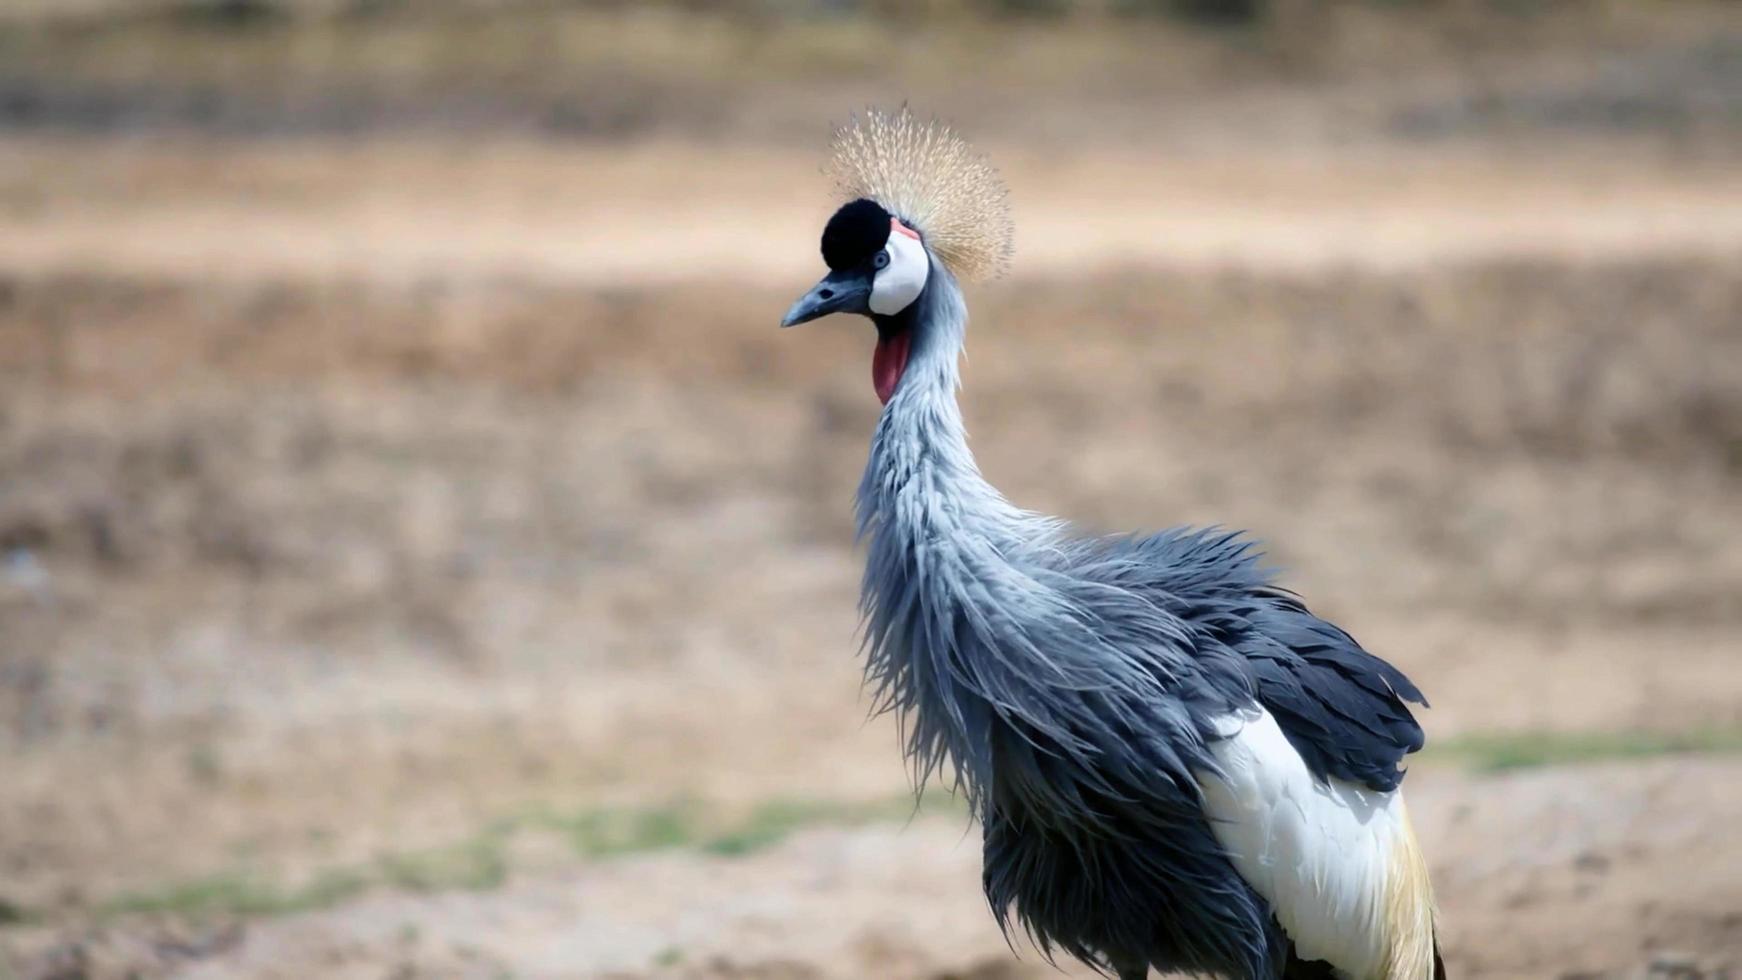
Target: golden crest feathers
point(929, 177)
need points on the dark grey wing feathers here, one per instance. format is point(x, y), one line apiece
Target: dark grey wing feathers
point(1343, 709)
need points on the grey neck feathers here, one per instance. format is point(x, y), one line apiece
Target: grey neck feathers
point(957, 589)
point(919, 453)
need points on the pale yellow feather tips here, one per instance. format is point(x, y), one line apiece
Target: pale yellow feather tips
point(926, 175)
point(1409, 909)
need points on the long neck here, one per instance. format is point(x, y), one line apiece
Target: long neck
point(922, 478)
point(975, 611)
point(942, 556)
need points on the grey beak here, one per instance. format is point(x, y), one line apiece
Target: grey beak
point(846, 291)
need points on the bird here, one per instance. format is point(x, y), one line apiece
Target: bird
point(1173, 762)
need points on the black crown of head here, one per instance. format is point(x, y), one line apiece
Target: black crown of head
point(856, 232)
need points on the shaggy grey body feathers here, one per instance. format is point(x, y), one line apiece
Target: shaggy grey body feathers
point(1070, 687)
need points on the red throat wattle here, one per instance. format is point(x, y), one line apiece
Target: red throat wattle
point(889, 362)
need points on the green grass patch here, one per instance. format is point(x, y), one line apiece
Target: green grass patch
point(603, 832)
point(773, 822)
point(482, 862)
point(479, 864)
point(609, 832)
point(241, 893)
point(631, 830)
point(1500, 752)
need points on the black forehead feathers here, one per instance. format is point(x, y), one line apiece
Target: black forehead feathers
point(856, 232)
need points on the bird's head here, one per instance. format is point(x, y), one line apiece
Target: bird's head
point(877, 267)
point(922, 210)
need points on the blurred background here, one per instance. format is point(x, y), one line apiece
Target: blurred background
point(422, 556)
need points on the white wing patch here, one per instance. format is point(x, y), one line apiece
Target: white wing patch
point(1337, 862)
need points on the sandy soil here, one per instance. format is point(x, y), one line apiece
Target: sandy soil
point(663, 212)
point(359, 569)
point(1555, 873)
point(377, 513)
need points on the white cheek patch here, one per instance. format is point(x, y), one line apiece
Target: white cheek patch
point(901, 281)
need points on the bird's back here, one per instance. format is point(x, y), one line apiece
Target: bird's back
point(1343, 709)
point(1243, 809)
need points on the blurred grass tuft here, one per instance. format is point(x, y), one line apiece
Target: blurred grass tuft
point(240, 893)
point(1500, 752)
point(481, 862)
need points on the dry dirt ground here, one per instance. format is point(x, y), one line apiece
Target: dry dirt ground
point(423, 557)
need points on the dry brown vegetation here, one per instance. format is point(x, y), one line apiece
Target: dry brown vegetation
point(421, 555)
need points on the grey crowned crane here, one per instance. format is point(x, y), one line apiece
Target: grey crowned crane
point(1173, 762)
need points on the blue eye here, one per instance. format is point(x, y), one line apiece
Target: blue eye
point(881, 260)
